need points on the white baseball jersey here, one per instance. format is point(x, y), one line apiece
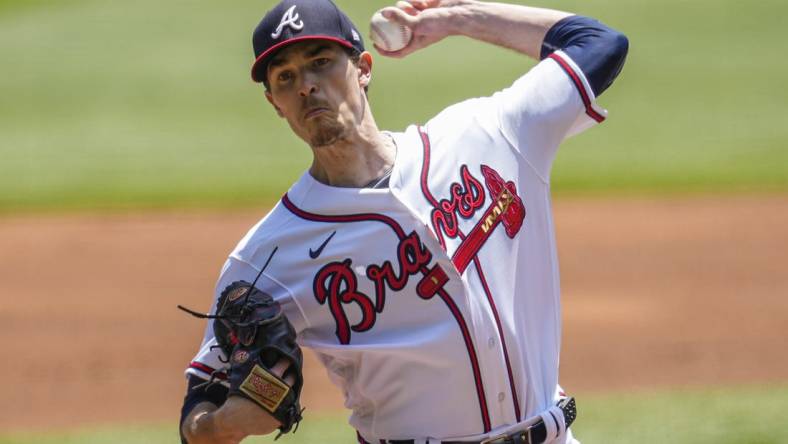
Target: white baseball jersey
point(434, 303)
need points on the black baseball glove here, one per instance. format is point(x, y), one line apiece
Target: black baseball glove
point(254, 334)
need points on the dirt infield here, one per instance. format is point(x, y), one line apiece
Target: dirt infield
point(686, 292)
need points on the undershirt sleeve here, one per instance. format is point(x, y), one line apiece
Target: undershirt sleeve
point(216, 394)
point(599, 51)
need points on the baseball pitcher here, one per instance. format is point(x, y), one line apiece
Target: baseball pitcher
point(420, 266)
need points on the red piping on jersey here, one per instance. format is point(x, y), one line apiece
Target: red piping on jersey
point(516, 401)
point(446, 297)
point(580, 87)
point(205, 369)
point(477, 374)
point(425, 140)
point(425, 190)
point(343, 218)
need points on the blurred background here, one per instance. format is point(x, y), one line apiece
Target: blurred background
point(135, 151)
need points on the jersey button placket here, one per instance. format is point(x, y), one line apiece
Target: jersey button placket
point(494, 369)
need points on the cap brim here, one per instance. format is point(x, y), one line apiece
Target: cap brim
point(259, 65)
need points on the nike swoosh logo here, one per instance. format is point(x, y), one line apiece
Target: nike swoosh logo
point(315, 253)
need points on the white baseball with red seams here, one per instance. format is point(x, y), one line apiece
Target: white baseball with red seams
point(388, 35)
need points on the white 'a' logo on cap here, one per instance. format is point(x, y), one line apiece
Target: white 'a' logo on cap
point(291, 19)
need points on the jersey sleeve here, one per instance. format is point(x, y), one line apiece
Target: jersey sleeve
point(551, 102)
point(210, 358)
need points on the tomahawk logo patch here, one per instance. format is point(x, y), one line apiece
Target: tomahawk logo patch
point(467, 197)
point(291, 19)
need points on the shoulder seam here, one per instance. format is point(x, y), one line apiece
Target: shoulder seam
point(519, 153)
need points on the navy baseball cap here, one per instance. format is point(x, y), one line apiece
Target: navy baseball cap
point(296, 20)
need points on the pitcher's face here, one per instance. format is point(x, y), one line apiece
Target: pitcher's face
point(318, 89)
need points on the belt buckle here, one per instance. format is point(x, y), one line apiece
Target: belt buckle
point(500, 439)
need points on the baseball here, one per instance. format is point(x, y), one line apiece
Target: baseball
point(388, 35)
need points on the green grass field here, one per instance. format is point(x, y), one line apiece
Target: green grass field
point(751, 415)
point(117, 104)
point(114, 104)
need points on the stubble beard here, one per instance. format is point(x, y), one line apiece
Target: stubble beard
point(328, 131)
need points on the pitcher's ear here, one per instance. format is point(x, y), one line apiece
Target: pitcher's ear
point(365, 69)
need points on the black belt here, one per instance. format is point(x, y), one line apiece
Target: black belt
point(535, 434)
